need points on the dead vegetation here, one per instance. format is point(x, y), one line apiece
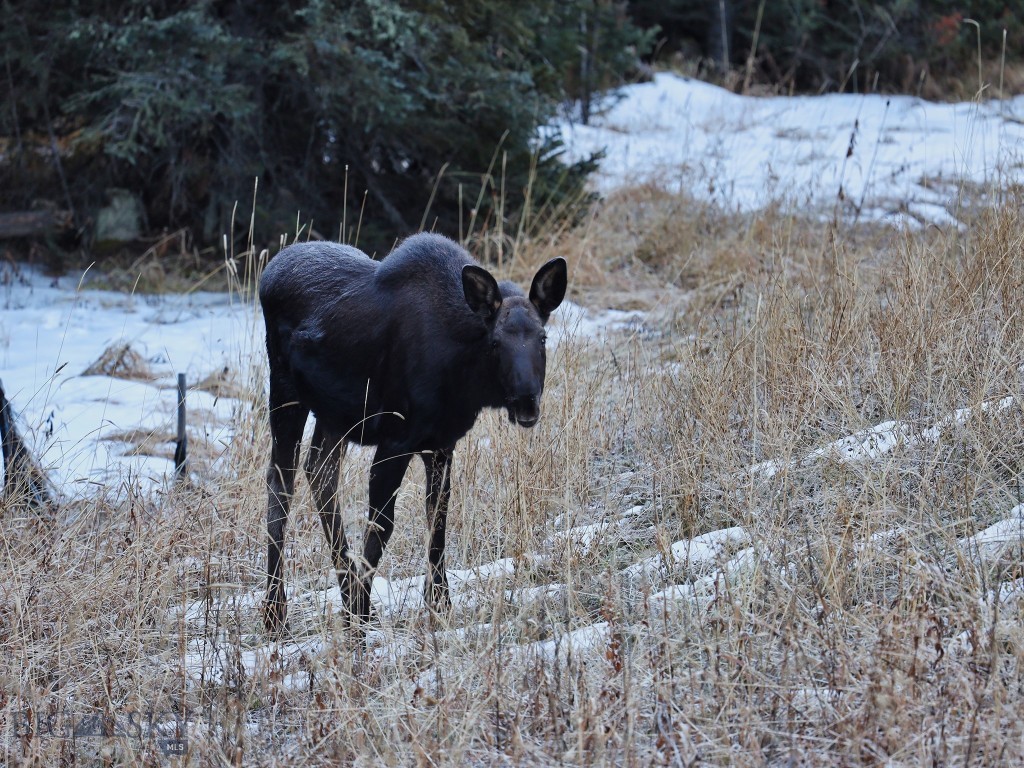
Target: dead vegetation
point(224, 382)
point(847, 402)
point(121, 361)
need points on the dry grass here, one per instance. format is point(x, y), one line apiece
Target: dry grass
point(853, 620)
point(121, 361)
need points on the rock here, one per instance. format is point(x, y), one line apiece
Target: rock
point(120, 221)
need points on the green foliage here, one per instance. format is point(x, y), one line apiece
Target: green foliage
point(167, 105)
point(421, 106)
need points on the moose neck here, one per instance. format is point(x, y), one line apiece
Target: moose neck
point(482, 370)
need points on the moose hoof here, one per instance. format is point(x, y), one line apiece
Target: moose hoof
point(437, 597)
point(361, 603)
point(356, 601)
point(275, 617)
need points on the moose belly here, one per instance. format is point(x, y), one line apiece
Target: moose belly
point(350, 409)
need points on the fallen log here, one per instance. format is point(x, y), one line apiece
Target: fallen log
point(33, 223)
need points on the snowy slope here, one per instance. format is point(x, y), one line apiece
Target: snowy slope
point(744, 152)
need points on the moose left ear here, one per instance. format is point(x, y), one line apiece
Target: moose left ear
point(549, 286)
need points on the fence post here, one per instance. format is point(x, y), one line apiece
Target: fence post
point(181, 449)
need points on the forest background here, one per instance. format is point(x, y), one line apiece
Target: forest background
point(127, 125)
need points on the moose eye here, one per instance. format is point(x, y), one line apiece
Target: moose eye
point(494, 343)
point(543, 340)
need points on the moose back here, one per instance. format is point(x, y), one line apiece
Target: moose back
point(401, 354)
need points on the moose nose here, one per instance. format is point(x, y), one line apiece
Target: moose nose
point(524, 410)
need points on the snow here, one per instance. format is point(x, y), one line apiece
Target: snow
point(572, 320)
point(580, 539)
point(736, 570)
point(885, 154)
point(397, 597)
point(997, 539)
point(595, 637)
point(876, 441)
point(51, 331)
point(697, 553)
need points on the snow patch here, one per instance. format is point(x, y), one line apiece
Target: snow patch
point(996, 540)
point(881, 439)
point(698, 553)
point(908, 158)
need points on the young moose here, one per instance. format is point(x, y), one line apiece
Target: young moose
point(402, 354)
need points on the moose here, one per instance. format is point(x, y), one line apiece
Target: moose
point(402, 354)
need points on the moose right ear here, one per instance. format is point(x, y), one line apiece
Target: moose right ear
point(548, 289)
point(481, 289)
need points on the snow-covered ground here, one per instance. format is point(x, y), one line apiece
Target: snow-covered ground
point(51, 333)
point(889, 155)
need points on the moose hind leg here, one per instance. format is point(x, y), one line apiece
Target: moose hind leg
point(438, 466)
point(386, 475)
point(286, 424)
point(323, 462)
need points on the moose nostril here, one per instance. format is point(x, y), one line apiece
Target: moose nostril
point(525, 401)
point(525, 410)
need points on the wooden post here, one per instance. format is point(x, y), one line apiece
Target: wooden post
point(181, 449)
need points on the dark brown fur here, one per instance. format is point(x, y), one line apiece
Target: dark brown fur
point(402, 354)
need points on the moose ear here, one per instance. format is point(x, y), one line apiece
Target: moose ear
point(548, 287)
point(481, 291)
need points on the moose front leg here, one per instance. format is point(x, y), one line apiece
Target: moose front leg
point(386, 475)
point(438, 466)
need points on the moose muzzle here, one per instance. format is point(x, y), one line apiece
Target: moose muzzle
point(524, 410)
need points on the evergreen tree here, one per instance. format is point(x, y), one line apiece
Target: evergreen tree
point(425, 107)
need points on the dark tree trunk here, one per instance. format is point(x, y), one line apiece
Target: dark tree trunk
point(720, 33)
point(24, 480)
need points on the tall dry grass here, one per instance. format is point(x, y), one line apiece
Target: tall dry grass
point(853, 620)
